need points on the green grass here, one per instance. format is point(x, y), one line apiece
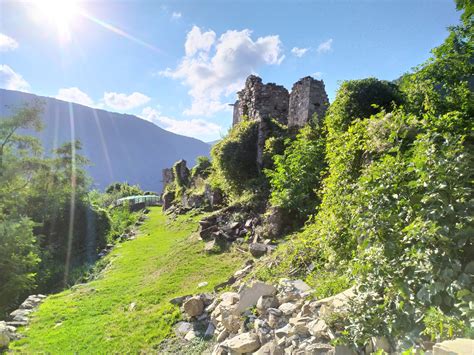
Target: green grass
point(164, 261)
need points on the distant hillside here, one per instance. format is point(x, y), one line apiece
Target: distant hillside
point(120, 147)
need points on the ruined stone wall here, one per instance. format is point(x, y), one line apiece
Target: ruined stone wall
point(258, 101)
point(168, 177)
point(308, 96)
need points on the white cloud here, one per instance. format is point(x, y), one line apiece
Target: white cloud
point(197, 41)
point(119, 101)
point(214, 69)
point(317, 74)
point(7, 43)
point(74, 94)
point(197, 128)
point(325, 46)
point(299, 52)
point(11, 80)
point(176, 15)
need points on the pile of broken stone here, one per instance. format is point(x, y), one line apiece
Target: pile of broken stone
point(265, 319)
point(19, 317)
point(219, 233)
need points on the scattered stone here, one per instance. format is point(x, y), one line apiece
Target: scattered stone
point(178, 301)
point(270, 348)
point(300, 325)
point(206, 234)
point(132, 306)
point(257, 249)
point(265, 302)
point(222, 336)
point(320, 348)
point(243, 343)
point(318, 328)
point(334, 304)
point(249, 295)
point(210, 331)
point(190, 335)
point(202, 284)
point(458, 346)
point(344, 350)
point(287, 308)
point(183, 328)
point(194, 306)
point(4, 335)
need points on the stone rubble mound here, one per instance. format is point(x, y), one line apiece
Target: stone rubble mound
point(18, 318)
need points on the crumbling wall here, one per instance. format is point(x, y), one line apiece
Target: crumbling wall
point(308, 96)
point(260, 101)
point(168, 177)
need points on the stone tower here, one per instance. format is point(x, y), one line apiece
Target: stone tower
point(308, 96)
point(259, 101)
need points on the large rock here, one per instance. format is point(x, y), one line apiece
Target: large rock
point(243, 343)
point(318, 328)
point(292, 290)
point(4, 335)
point(249, 295)
point(257, 249)
point(335, 304)
point(270, 348)
point(454, 347)
point(194, 306)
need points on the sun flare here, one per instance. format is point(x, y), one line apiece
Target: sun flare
point(60, 13)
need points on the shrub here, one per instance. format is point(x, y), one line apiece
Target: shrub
point(296, 175)
point(235, 157)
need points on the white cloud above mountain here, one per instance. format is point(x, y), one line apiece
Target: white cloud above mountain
point(176, 15)
point(11, 80)
point(7, 43)
point(74, 94)
point(197, 128)
point(299, 52)
point(214, 68)
point(120, 101)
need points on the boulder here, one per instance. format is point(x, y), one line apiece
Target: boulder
point(194, 306)
point(320, 349)
point(207, 233)
point(249, 294)
point(318, 328)
point(257, 249)
point(300, 325)
point(458, 346)
point(292, 290)
point(190, 335)
point(168, 198)
point(243, 343)
point(288, 308)
point(265, 302)
point(334, 304)
point(178, 301)
point(183, 328)
point(270, 348)
point(4, 335)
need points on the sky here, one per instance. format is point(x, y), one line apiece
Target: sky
point(179, 64)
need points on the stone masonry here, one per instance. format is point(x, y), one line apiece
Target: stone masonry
point(259, 101)
point(308, 96)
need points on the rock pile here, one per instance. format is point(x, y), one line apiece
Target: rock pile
point(262, 318)
point(219, 231)
point(18, 318)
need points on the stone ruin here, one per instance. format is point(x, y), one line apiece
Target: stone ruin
point(259, 101)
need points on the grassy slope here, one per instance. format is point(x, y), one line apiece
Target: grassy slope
point(163, 262)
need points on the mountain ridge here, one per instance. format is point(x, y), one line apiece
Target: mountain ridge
point(148, 149)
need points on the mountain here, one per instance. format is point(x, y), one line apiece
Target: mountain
point(120, 147)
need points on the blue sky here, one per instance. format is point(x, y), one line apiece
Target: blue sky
point(179, 63)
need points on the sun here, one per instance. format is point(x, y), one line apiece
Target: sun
point(60, 13)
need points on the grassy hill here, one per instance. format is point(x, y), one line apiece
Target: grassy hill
point(164, 261)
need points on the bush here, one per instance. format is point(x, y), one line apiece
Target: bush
point(296, 175)
point(235, 157)
point(202, 168)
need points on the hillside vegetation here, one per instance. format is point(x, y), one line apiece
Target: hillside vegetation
point(126, 308)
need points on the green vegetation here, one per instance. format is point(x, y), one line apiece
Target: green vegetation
point(395, 217)
point(296, 174)
point(163, 262)
point(52, 227)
